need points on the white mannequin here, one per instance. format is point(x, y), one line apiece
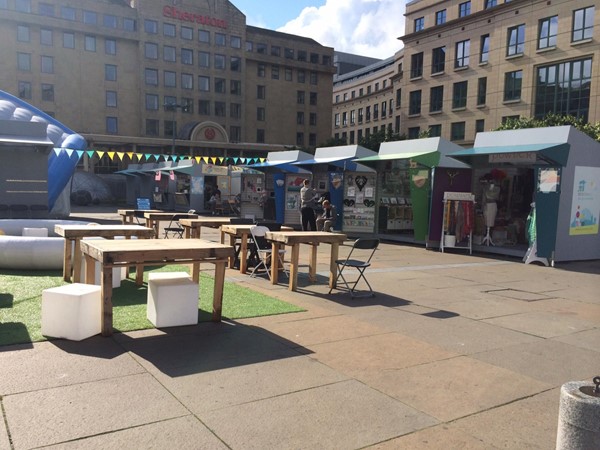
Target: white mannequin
point(490, 208)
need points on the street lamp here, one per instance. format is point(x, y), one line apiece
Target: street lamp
point(173, 107)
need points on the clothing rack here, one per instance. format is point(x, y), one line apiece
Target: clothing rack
point(458, 221)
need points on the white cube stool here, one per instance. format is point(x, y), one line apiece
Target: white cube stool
point(172, 302)
point(35, 232)
point(73, 311)
point(164, 275)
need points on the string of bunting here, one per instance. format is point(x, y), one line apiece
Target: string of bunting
point(151, 157)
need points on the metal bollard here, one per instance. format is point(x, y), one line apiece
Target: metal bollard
point(579, 416)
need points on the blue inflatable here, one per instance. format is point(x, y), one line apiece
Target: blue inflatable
point(61, 166)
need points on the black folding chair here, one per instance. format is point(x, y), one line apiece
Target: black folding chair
point(174, 228)
point(363, 248)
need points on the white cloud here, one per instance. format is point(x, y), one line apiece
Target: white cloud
point(362, 27)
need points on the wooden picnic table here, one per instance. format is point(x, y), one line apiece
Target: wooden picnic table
point(142, 252)
point(153, 219)
point(312, 238)
point(73, 235)
point(128, 216)
point(193, 226)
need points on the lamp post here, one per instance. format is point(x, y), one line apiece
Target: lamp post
point(173, 107)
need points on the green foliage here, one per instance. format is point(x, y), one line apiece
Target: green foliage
point(374, 140)
point(553, 120)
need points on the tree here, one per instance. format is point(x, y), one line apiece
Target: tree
point(553, 120)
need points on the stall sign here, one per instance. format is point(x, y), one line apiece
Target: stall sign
point(585, 207)
point(514, 158)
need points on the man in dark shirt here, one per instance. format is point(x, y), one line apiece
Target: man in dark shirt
point(326, 220)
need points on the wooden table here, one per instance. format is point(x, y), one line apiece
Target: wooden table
point(112, 253)
point(193, 226)
point(129, 215)
point(241, 231)
point(153, 219)
point(312, 238)
point(73, 234)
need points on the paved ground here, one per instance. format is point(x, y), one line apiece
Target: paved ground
point(454, 352)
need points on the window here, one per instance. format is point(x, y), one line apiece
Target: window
point(110, 47)
point(314, 58)
point(260, 70)
point(275, 50)
point(23, 33)
point(300, 139)
point(220, 85)
point(436, 99)
point(47, 64)
point(110, 21)
point(187, 56)
point(220, 39)
point(435, 130)
point(151, 50)
point(312, 118)
point(440, 17)
point(516, 41)
point(261, 92)
point(261, 48)
point(462, 54)
point(151, 26)
point(583, 24)
point(313, 77)
point(66, 12)
point(90, 43)
point(170, 103)
point(152, 127)
point(48, 92)
point(464, 9)
point(302, 55)
point(3, 4)
point(220, 109)
point(481, 91)
point(111, 99)
point(312, 139)
point(68, 40)
point(235, 110)
point(301, 76)
point(249, 46)
point(219, 62)
point(169, 30)
point(129, 24)
point(46, 9)
point(187, 33)
point(204, 107)
point(151, 102)
point(479, 125)
point(484, 53)
point(512, 85)
point(416, 65)
point(170, 127)
point(419, 24)
point(260, 136)
point(204, 36)
point(187, 81)
point(235, 64)
point(336, 119)
point(24, 89)
point(490, 3)
point(24, 62)
point(413, 132)
point(459, 95)
point(275, 72)
point(438, 60)
point(170, 79)
point(151, 77)
point(300, 95)
point(204, 59)
point(235, 42)
point(289, 74)
point(110, 72)
point(235, 133)
point(112, 125)
point(288, 53)
point(375, 111)
point(313, 98)
point(457, 131)
point(547, 31)
point(564, 88)
point(203, 83)
point(23, 5)
point(299, 118)
point(169, 53)
point(383, 109)
point(414, 106)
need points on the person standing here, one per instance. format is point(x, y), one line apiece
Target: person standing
point(308, 198)
point(326, 220)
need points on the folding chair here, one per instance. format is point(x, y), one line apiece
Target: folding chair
point(365, 247)
point(264, 251)
point(174, 228)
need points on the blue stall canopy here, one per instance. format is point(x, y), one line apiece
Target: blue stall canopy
point(549, 154)
point(343, 156)
point(283, 161)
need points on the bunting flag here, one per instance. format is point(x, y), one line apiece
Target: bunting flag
point(111, 155)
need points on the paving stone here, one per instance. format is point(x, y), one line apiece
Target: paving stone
point(543, 324)
point(587, 340)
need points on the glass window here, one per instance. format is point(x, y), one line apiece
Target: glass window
point(187, 56)
point(413, 132)
point(235, 110)
point(302, 56)
point(110, 72)
point(24, 89)
point(301, 75)
point(220, 85)
point(47, 92)
point(368, 110)
point(583, 24)
point(110, 46)
point(111, 99)
point(312, 118)
point(152, 127)
point(46, 9)
point(170, 103)
point(220, 109)
point(90, 43)
point(260, 114)
point(300, 96)
point(169, 30)
point(23, 33)
point(261, 48)
point(547, 32)
point(312, 139)
point(459, 95)
point(152, 102)
point(187, 33)
point(235, 64)
point(110, 21)
point(314, 58)
point(288, 53)
point(414, 106)
point(457, 131)
point(479, 125)
point(481, 91)
point(23, 5)
point(67, 12)
point(275, 72)
point(90, 18)
point(249, 46)
point(435, 130)
point(187, 81)
point(275, 50)
point(151, 26)
point(289, 74)
point(112, 125)
point(313, 98)
point(151, 77)
point(3, 4)
point(204, 36)
point(261, 92)
point(203, 83)
point(516, 41)
point(235, 133)
point(151, 50)
point(204, 59)
point(490, 3)
point(220, 39)
point(416, 65)
point(68, 40)
point(235, 87)
point(204, 107)
point(484, 53)
point(463, 49)
point(129, 24)
point(169, 53)
point(438, 60)
point(220, 62)
point(440, 17)
point(187, 105)
point(170, 127)
point(512, 85)
point(419, 24)
point(564, 88)
point(260, 70)
point(47, 64)
point(300, 139)
point(260, 136)
point(235, 42)
point(170, 79)
point(436, 99)
point(464, 9)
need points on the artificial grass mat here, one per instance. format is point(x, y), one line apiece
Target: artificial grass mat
point(21, 302)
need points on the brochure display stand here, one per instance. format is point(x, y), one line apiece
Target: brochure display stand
point(458, 223)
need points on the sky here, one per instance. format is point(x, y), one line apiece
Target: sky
point(362, 27)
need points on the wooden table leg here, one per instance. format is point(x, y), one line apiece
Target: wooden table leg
point(197, 232)
point(232, 243)
point(218, 290)
point(244, 253)
point(77, 262)
point(274, 262)
point(196, 272)
point(312, 265)
point(294, 261)
point(106, 294)
point(335, 248)
point(67, 260)
point(188, 232)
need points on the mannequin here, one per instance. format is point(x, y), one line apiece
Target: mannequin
point(491, 192)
